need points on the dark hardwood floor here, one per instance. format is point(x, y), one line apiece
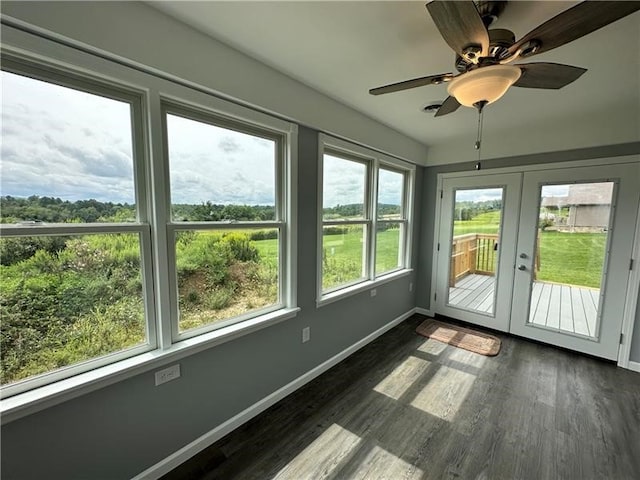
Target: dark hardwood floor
point(406, 407)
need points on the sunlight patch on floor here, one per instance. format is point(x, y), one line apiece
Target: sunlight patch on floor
point(326, 454)
point(468, 358)
point(432, 347)
point(402, 377)
point(380, 460)
point(445, 393)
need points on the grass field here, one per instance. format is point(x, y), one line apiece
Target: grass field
point(343, 256)
point(569, 258)
point(572, 258)
point(488, 222)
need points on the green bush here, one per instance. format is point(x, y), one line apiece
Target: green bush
point(241, 247)
point(14, 250)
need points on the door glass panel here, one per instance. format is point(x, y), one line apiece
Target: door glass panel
point(569, 260)
point(473, 265)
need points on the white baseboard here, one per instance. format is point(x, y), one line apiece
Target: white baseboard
point(635, 366)
point(185, 453)
point(424, 311)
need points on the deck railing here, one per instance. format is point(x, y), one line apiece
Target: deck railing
point(478, 253)
point(473, 253)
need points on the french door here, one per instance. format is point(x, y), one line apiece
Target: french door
point(476, 248)
point(542, 254)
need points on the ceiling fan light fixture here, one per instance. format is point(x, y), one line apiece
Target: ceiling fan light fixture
point(483, 84)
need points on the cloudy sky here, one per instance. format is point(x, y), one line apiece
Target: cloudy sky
point(484, 194)
point(64, 143)
point(344, 183)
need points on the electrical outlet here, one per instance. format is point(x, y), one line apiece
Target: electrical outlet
point(306, 334)
point(374, 292)
point(167, 374)
point(411, 286)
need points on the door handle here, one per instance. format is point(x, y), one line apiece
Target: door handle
point(522, 267)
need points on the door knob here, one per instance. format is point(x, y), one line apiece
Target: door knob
point(522, 267)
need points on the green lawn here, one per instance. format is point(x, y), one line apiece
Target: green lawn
point(568, 258)
point(488, 222)
point(342, 256)
point(572, 258)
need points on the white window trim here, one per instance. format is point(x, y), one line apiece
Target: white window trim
point(374, 160)
point(278, 131)
point(49, 73)
point(153, 90)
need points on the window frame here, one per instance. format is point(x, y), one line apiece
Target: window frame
point(403, 219)
point(43, 71)
point(150, 89)
point(218, 119)
point(374, 161)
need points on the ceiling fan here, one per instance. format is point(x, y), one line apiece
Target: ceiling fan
point(484, 57)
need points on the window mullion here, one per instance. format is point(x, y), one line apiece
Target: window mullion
point(373, 209)
point(161, 215)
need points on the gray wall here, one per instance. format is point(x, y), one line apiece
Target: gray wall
point(120, 430)
point(428, 201)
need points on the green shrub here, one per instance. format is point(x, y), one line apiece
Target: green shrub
point(14, 250)
point(218, 298)
point(241, 247)
point(258, 235)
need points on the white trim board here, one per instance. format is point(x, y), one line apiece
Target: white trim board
point(185, 453)
point(634, 366)
point(631, 304)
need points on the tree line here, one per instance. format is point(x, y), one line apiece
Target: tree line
point(55, 210)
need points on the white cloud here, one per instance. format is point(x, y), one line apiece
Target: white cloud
point(64, 143)
point(209, 163)
point(344, 182)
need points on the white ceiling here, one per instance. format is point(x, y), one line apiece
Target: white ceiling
point(343, 49)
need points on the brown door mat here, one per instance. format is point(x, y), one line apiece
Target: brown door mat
point(461, 337)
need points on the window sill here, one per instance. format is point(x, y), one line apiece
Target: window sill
point(23, 404)
point(361, 287)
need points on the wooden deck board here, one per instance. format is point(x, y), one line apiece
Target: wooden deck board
point(472, 292)
point(553, 315)
point(563, 307)
point(580, 324)
point(566, 309)
point(591, 310)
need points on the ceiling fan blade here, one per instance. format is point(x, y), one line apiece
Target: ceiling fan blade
point(574, 23)
point(460, 25)
point(450, 105)
point(547, 75)
point(407, 84)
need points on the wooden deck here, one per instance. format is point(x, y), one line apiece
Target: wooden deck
point(562, 307)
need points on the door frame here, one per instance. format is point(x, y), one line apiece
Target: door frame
point(629, 314)
point(631, 305)
point(511, 183)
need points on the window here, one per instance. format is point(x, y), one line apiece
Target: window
point(391, 224)
point(365, 199)
point(345, 222)
point(122, 236)
point(226, 219)
point(74, 238)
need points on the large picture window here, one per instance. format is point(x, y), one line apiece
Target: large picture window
point(226, 219)
point(73, 235)
point(365, 199)
point(132, 220)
